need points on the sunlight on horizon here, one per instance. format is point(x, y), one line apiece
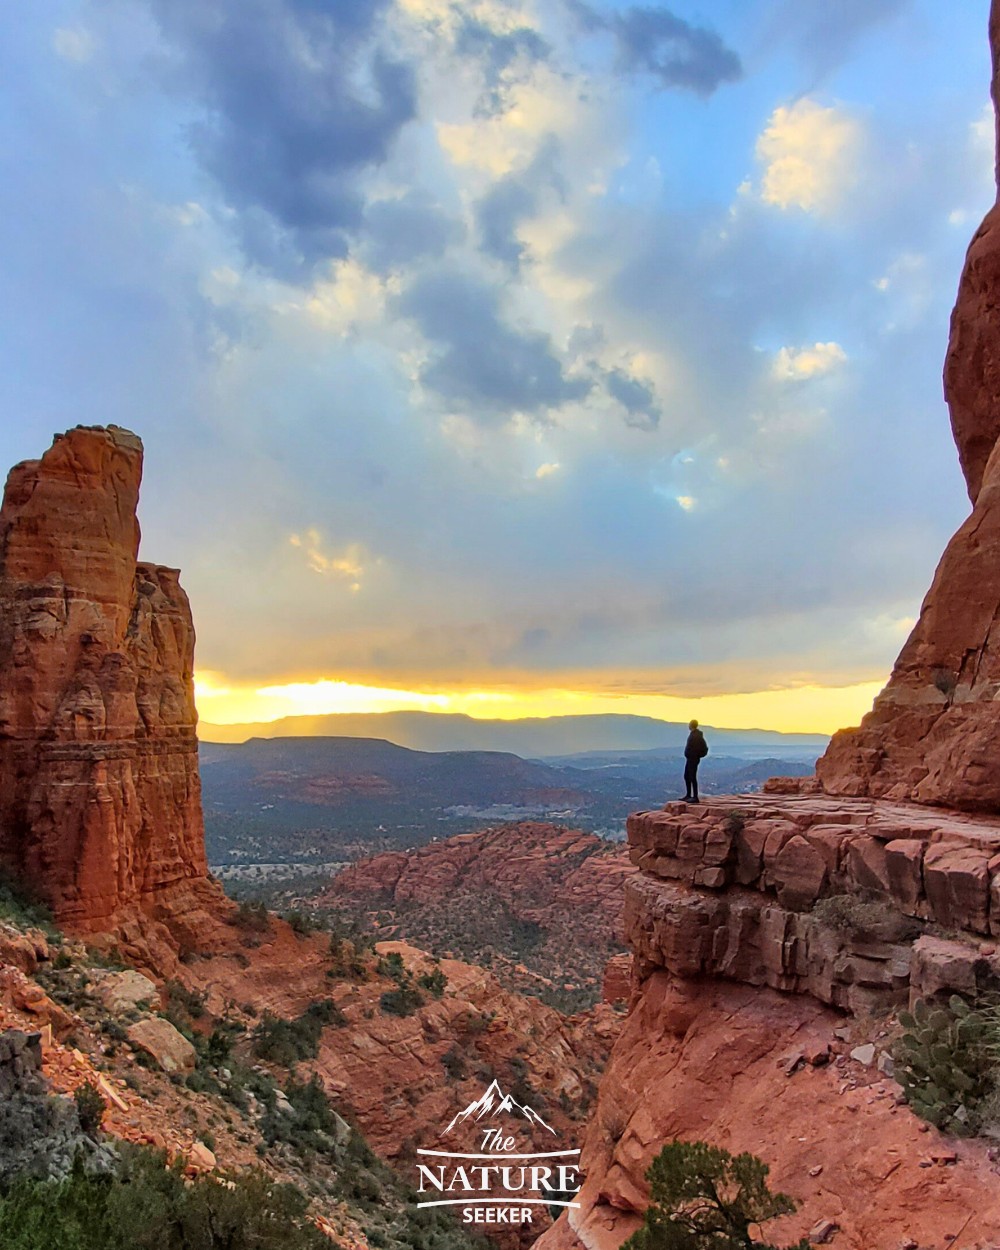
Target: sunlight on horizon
point(801, 709)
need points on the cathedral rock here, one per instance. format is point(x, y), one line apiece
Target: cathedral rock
point(100, 802)
point(933, 735)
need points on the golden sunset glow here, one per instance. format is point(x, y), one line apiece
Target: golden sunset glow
point(800, 709)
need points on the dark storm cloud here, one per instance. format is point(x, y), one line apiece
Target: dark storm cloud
point(398, 232)
point(485, 365)
point(298, 99)
point(652, 40)
point(825, 34)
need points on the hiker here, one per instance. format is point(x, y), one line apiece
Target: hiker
point(694, 752)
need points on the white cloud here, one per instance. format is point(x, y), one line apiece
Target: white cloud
point(809, 154)
point(797, 364)
point(546, 470)
point(73, 44)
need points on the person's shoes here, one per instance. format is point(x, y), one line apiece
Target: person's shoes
point(694, 800)
point(687, 799)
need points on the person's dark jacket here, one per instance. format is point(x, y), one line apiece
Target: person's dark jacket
point(697, 747)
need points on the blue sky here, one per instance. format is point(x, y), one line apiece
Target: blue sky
point(566, 354)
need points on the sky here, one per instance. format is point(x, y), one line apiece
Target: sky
point(512, 358)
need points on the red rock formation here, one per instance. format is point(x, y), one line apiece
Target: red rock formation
point(724, 1063)
point(736, 1033)
point(450, 895)
point(100, 804)
point(534, 868)
point(934, 732)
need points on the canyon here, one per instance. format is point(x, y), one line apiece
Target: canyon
point(773, 938)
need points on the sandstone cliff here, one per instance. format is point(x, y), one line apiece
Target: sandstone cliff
point(934, 732)
point(100, 806)
point(763, 994)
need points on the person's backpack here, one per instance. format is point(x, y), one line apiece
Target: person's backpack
point(704, 747)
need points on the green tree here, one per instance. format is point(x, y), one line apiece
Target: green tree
point(704, 1198)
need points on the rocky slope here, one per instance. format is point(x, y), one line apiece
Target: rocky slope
point(542, 903)
point(100, 809)
point(934, 733)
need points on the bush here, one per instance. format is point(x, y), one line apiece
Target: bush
point(89, 1107)
point(313, 1127)
point(403, 1001)
point(285, 1042)
point(26, 913)
point(301, 922)
point(145, 1205)
point(945, 1064)
point(866, 915)
point(434, 982)
point(252, 916)
point(704, 1198)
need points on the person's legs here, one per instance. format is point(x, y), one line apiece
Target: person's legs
point(690, 771)
point(694, 781)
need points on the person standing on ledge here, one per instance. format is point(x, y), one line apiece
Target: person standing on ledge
point(694, 753)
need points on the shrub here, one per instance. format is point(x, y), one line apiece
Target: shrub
point(301, 922)
point(434, 982)
point(89, 1107)
point(454, 1064)
point(402, 1001)
point(285, 1042)
point(252, 916)
point(866, 915)
point(145, 1205)
point(704, 1198)
point(735, 823)
point(391, 966)
point(944, 1064)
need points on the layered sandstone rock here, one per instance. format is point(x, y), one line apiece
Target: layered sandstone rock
point(471, 894)
point(536, 869)
point(100, 807)
point(770, 933)
point(934, 732)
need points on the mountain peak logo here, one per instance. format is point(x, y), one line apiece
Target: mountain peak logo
point(491, 1178)
point(493, 1102)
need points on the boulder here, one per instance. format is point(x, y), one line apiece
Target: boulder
point(161, 1041)
point(124, 991)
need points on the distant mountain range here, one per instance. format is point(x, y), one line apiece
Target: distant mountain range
point(530, 738)
point(324, 799)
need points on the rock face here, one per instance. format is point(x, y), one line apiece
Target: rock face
point(933, 734)
point(100, 807)
point(760, 925)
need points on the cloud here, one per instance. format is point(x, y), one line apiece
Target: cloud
point(825, 33)
point(808, 153)
point(636, 397)
point(73, 44)
point(653, 41)
point(797, 364)
point(498, 53)
point(409, 228)
point(483, 365)
point(349, 565)
point(546, 470)
point(296, 100)
point(513, 199)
